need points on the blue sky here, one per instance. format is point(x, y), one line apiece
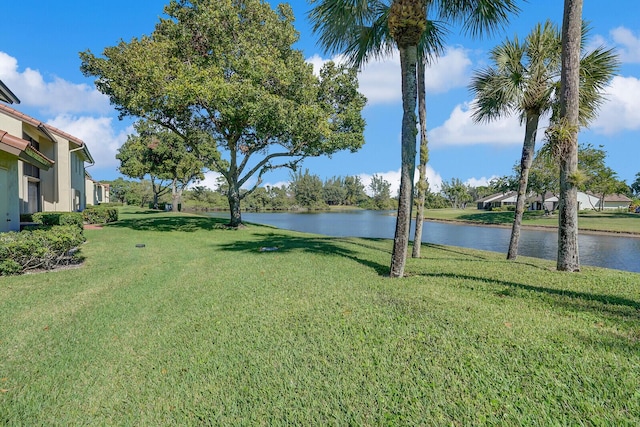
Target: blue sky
point(40, 41)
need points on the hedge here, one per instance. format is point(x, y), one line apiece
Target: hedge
point(44, 248)
point(58, 218)
point(100, 215)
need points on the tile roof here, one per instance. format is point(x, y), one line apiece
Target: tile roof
point(23, 150)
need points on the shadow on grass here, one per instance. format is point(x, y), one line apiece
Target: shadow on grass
point(283, 243)
point(169, 223)
point(488, 217)
point(584, 301)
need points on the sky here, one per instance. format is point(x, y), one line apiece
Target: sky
point(40, 41)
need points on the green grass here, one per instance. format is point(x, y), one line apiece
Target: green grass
point(616, 222)
point(201, 327)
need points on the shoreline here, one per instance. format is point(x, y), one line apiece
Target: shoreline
point(539, 227)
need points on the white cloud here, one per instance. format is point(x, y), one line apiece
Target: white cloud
point(479, 182)
point(629, 44)
point(210, 180)
point(380, 80)
point(278, 184)
point(393, 178)
point(57, 96)
point(621, 110)
point(99, 135)
point(460, 129)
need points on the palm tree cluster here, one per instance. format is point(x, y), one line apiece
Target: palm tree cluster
point(367, 29)
point(525, 78)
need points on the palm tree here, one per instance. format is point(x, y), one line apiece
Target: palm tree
point(422, 186)
point(524, 79)
point(365, 29)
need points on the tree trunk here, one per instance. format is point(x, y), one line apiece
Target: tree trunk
point(408, 60)
point(233, 195)
point(424, 157)
point(175, 196)
point(528, 150)
point(568, 259)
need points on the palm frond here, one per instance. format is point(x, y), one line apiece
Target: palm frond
point(478, 17)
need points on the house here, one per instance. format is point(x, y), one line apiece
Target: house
point(96, 192)
point(615, 202)
point(498, 200)
point(551, 202)
point(7, 96)
point(55, 182)
point(15, 152)
point(586, 201)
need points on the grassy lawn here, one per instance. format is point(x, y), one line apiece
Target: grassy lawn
point(618, 222)
point(201, 327)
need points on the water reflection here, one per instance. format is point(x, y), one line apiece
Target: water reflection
point(622, 253)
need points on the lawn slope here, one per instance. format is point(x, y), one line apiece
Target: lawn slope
point(205, 325)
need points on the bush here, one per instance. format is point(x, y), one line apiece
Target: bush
point(44, 248)
point(26, 218)
point(100, 214)
point(58, 218)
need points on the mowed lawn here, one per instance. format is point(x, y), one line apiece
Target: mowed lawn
point(209, 326)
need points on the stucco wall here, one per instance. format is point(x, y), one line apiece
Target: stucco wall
point(9, 202)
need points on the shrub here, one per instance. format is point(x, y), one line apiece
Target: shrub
point(100, 215)
point(44, 248)
point(26, 218)
point(58, 218)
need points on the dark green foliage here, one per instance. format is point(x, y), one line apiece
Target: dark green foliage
point(307, 189)
point(100, 214)
point(26, 218)
point(58, 218)
point(44, 248)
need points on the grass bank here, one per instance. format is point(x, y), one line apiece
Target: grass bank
point(202, 325)
point(611, 222)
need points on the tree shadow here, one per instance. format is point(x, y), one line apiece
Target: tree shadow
point(169, 223)
point(271, 243)
point(500, 218)
point(612, 305)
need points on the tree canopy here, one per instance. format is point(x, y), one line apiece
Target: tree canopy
point(225, 73)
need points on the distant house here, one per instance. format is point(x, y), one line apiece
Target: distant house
point(498, 200)
point(550, 202)
point(615, 202)
point(97, 192)
point(60, 186)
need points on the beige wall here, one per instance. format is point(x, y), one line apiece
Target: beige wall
point(9, 202)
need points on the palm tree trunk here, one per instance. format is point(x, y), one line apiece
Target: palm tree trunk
point(568, 259)
point(408, 61)
point(528, 150)
point(424, 157)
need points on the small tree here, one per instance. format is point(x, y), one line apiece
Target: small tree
point(165, 157)
point(457, 193)
point(635, 186)
point(307, 189)
point(381, 192)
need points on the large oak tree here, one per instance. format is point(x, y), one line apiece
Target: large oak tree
point(224, 73)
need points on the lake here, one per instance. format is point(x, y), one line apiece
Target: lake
point(621, 253)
